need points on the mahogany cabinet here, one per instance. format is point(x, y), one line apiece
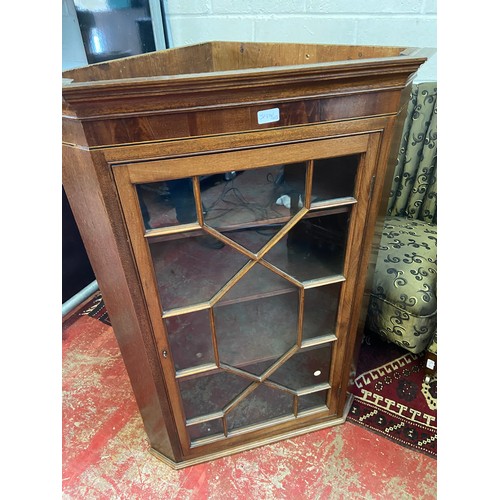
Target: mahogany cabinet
point(227, 195)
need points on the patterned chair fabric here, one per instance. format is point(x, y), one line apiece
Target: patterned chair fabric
point(414, 185)
point(403, 302)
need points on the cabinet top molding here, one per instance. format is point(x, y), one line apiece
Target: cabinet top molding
point(216, 66)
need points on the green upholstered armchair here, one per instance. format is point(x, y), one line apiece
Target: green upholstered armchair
point(403, 300)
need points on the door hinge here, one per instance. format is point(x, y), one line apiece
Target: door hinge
point(372, 187)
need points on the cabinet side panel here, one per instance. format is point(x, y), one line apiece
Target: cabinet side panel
point(93, 200)
point(72, 132)
point(385, 173)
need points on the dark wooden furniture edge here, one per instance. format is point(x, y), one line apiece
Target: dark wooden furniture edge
point(120, 288)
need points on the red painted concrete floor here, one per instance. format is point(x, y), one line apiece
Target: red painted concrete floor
point(105, 449)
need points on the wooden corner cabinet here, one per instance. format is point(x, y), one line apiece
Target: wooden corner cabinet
point(227, 194)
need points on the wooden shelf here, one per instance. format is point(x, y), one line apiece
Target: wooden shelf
point(329, 207)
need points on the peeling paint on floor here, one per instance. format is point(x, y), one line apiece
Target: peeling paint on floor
point(105, 449)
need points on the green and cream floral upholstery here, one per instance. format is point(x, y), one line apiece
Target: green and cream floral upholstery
point(403, 302)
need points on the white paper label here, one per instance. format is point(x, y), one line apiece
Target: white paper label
point(268, 116)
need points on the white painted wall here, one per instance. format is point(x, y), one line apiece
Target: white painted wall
point(409, 23)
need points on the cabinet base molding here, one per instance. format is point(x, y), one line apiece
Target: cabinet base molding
point(256, 444)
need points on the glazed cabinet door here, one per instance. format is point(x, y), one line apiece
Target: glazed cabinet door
point(245, 259)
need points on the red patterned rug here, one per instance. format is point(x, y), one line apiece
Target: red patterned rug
point(390, 396)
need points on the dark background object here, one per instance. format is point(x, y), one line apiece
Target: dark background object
point(124, 29)
point(77, 271)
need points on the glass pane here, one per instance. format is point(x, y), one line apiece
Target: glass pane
point(320, 310)
point(313, 248)
point(167, 203)
point(192, 267)
point(307, 368)
point(260, 367)
point(334, 178)
point(205, 429)
point(206, 394)
point(190, 339)
point(259, 281)
point(254, 239)
point(115, 28)
point(257, 331)
point(251, 196)
point(314, 400)
point(264, 403)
